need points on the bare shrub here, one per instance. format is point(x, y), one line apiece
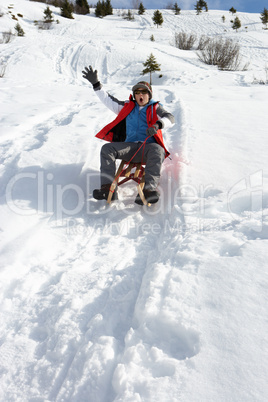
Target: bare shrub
point(128, 15)
point(6, 36)
point(262, 81)
point(203, 42)
point(3, 66)
point(222, 53)
point(44, 25)
point(184, 41)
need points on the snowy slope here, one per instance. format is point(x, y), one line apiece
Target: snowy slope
point(124, 303)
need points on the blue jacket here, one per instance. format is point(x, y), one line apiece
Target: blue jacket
point(136, 124)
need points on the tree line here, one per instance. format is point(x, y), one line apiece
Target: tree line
point(104, 8)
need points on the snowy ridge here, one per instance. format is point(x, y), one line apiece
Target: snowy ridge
point(124, 303)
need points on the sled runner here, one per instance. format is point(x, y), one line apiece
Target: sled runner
point(125, 174)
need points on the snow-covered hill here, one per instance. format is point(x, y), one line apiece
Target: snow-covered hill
point(123, 303)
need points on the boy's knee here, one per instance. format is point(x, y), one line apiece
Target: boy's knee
point(159, 151)
point(106, 148)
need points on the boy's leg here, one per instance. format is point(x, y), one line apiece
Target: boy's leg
point(153, 156)
point(112, 151)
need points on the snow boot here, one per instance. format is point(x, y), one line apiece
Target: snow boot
point(151, 196)
point(103, 192)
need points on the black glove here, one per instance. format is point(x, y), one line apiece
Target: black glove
point(152, 130)
point(90, 75)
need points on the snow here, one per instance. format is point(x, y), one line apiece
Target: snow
point(124, 303)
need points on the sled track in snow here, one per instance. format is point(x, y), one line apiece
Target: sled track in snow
point(124, 295)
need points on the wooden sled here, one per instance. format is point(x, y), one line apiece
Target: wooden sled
point(125, 174)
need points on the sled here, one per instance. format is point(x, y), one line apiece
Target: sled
point(132, 171)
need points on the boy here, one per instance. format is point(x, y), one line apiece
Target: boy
point(135, 133)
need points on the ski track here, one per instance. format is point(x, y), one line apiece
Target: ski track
point(135, 314)
point(116, 293)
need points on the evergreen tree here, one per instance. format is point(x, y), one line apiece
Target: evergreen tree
point(200, 5)
point(82, 7)
point(150, 66)
point(198, 8)
point(67, 9)
point(99, 11)
point(47, 21)
point(158, 18)
point(108, 8)
point(237, 24)
point(264, 17)
point(204, 5)
point(48, 17)
point(176, 9)
point(232, 10)
point(19, 30)
point(103, 8)
point(141, 9)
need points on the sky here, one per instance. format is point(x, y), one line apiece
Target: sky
point(250, 6)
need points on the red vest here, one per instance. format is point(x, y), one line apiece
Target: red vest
point(107, 133)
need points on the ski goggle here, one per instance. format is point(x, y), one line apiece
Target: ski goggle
point(142, 91)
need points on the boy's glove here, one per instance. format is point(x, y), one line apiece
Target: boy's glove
point(152, 130)
point(90, 75)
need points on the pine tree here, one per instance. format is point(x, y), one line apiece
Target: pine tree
point(141, 9)
point(99, 11)
point(82, 7)
point(103, 8)
point(48, 17)
point(19, 30)
point(198, 8)
point(264, 17)
point(200, 5)
point(204, 5)
point(150, 66)
point(47, 21)
point(158, 18)
point(237, 24)
point(176, 9)
point(232, 10)
point(67, 9)
point(108, 8)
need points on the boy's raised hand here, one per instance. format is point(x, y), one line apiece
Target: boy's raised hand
point(90, 75)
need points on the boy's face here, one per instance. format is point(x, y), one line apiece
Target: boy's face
point(141, 96)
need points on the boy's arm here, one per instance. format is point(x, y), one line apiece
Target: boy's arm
point(108, 100)
point(166, 119)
